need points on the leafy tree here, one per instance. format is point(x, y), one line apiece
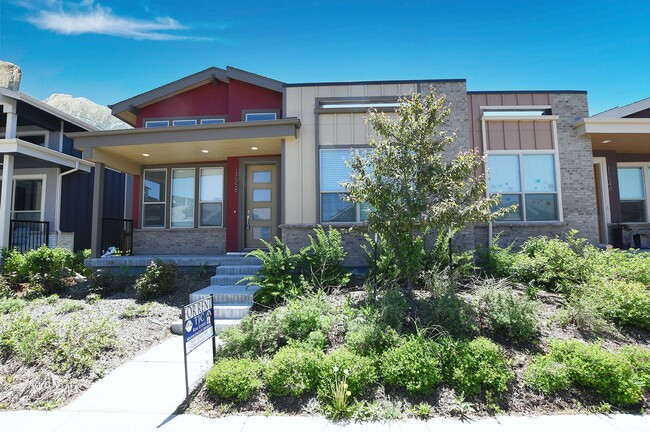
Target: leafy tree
point(412, 184)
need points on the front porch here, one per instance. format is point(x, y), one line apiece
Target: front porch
point(198, 190)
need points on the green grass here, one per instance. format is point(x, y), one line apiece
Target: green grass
point(133, 311)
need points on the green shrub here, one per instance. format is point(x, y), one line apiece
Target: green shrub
point(69, 306)
point(159, 279)
point(620, 301)
point(639, 358)
point(321, 263)
point(609, 374)
point(256, 336)
point(10, 304)
point(133, 311)
point(476, 367)
point(360, 372)
point(413, 366)
point(276, 277)
point(70, 347)
point(43, 266)
point(368, 335)
point(617, 264)
point(508, 316)
point(293, 370)
point(234, 379)
point(547, 375)
point(437, 259)
point(445, 309)
point(302, 316)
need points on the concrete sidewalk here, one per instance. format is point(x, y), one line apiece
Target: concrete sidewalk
point(143, 394)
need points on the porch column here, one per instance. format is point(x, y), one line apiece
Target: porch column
point(98, 211)
point(9, 108)
point(5, 198)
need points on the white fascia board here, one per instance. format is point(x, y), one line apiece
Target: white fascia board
point(593, 125)
point(28, 149)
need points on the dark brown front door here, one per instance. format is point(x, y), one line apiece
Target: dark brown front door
point(261, 221)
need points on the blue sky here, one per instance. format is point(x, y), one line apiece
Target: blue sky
point(110, 50)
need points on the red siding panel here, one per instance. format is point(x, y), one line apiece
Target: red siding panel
point(244, 96)
point(232, 203)
point(208, 99)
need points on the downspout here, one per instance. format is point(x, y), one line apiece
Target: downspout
point(57, 228)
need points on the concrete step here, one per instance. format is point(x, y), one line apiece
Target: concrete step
point(232, 311)
point(223, 294)
point(222, 324)
point(228, 280)
point(238, 269)
point(237, 260)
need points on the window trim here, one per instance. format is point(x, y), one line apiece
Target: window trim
point(199, 201)
point(144, 203)
point(215, 120)
point(645, 168)
point(321, 191)
point(43, 178)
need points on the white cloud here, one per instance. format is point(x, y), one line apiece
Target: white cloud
point(87, 17)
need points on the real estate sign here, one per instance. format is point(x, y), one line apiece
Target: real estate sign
point(198, 323)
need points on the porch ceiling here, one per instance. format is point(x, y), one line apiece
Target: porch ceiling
point(623, 135)
point(125, 150)
point(30, 155)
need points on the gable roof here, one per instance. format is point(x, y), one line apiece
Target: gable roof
point(126, 110)
point(625, 110)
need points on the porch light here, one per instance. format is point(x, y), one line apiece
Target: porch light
point(204, 151)
point(254, 148)
point(145, 154)
point(607, 141)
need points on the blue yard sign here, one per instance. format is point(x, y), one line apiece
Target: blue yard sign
point(198, 327)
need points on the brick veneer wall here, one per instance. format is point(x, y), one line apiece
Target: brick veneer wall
point(203, 241)
point(297, 236)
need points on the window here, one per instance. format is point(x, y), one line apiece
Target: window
point(28, 196)
point(156, 123)
point(184, 122)
point(213, 121)
point(154, 198)
point(333, 206)
point(211, 197)
point(631, 188)
point(528, 180)
point(182, 209)
point(261, 116)
point(188, 198)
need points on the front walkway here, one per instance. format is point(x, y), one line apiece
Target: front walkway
point(143, 394)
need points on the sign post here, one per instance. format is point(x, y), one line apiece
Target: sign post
point(198, 327)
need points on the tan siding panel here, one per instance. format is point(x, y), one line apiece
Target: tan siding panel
point(344, 129)
point(541, 99)
point(543, 135)
point(478, 141)
point(359, 129)
point(494, 99)
point(510, 99)
point(341, 91)
point(511, 135)
point(527, 135)
point(358, 90)
point(525, 99)
point(495, 135)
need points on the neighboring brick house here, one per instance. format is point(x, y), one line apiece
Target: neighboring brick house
point(225, 158)
point(620, 138)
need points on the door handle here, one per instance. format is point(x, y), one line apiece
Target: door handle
point(248, 219)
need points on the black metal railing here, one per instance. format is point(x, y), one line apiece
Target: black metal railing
point(117, 233)
point(26, 235)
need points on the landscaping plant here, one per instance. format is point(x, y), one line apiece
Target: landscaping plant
point(234, 379)
point(159, 279)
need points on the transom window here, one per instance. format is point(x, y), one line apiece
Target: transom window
point(261, 116)
point(184, 122)
point(632, 183)
point(156, 123)
point(213, 121)
point(527, 180)
point(333, 206)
